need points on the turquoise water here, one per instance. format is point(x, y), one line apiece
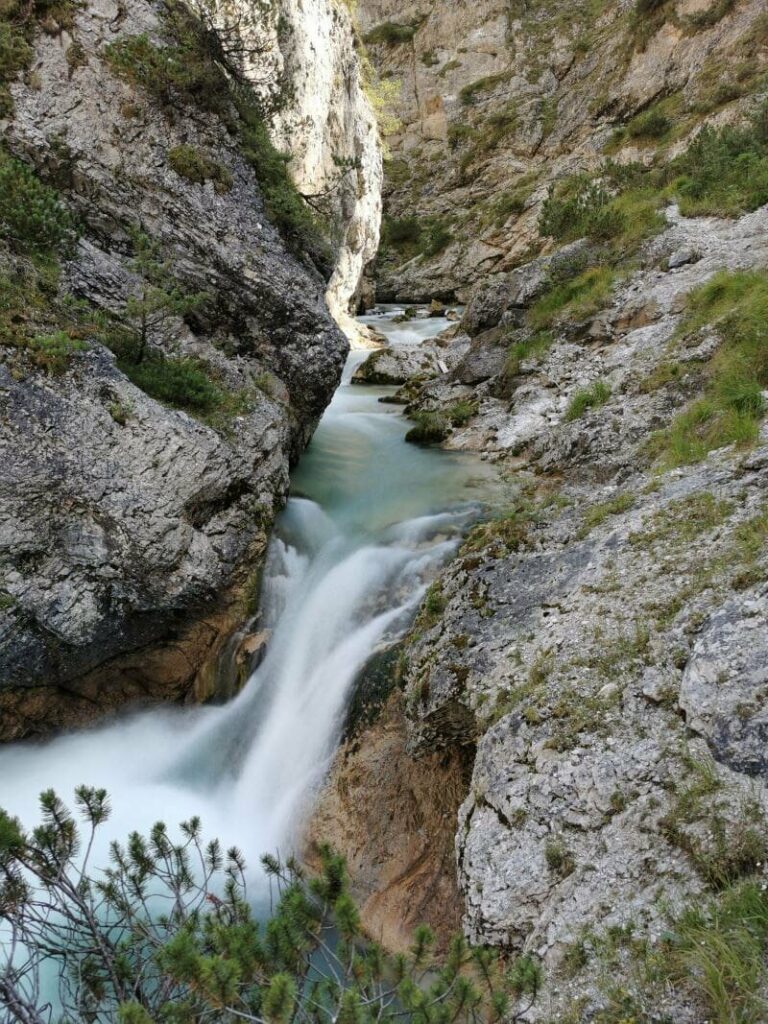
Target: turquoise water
point(370, 523)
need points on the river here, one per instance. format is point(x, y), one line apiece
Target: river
point(370, 521)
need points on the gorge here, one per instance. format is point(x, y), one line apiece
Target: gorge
point(513, 668)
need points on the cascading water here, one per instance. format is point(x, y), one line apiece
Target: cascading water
point(370, 522)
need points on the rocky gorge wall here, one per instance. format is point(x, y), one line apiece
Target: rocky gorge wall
point(136, 498)
point(305, 59)
point(590, 671)
point(498, 101)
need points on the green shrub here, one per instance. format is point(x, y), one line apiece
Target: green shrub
point(651, 124)
point(724, 171)
point(436, 236)
point(732, 406)
point(181, 383)
point(431, 428)
point(581, 208)
point(194, 165)
point(595, 395)
point(31, 214)
point(409, 236)
point(15, 55)
point(147, 937)
point(390, 33)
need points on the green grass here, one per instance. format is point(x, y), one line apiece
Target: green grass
point(622, 210)
point(598, 513)
point(196, 166)
point(719, 952)
point(531, 347)
point(595, 395)
point(461, 412)
point(731, 409)
point(576, 299)
point(683, 521)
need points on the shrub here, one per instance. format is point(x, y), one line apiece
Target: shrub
point(431, 428)
point(196, 166)
point(595, 395)
point(581, 208)
point(651, 124)
point(390, 33)
point(724, 171)
point(33, 217)
point(181, 383)
point(167, 933)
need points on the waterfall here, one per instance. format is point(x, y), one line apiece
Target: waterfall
point(370, 522)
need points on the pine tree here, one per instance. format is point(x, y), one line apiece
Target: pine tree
point(165, 935)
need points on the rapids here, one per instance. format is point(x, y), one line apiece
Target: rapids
point(370, 521)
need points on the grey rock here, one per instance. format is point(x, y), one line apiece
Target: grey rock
point(724, 690)
point(115, 537)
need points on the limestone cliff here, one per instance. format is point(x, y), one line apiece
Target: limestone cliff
point(498, 101)
point(597, 651)
point(136, 493)
point(305, 60)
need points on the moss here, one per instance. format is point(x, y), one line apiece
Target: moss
point(196, 166)
point(470, 94)
point(390, 33)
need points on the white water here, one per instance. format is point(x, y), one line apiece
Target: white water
point(371, 521)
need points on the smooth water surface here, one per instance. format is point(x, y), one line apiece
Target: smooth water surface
point(370, 522)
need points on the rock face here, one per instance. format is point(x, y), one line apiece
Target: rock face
point(599, 658)
point(129, 531)
point(497, 102)
point(326, 123)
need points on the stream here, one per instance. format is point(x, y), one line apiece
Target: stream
point(370, 521)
